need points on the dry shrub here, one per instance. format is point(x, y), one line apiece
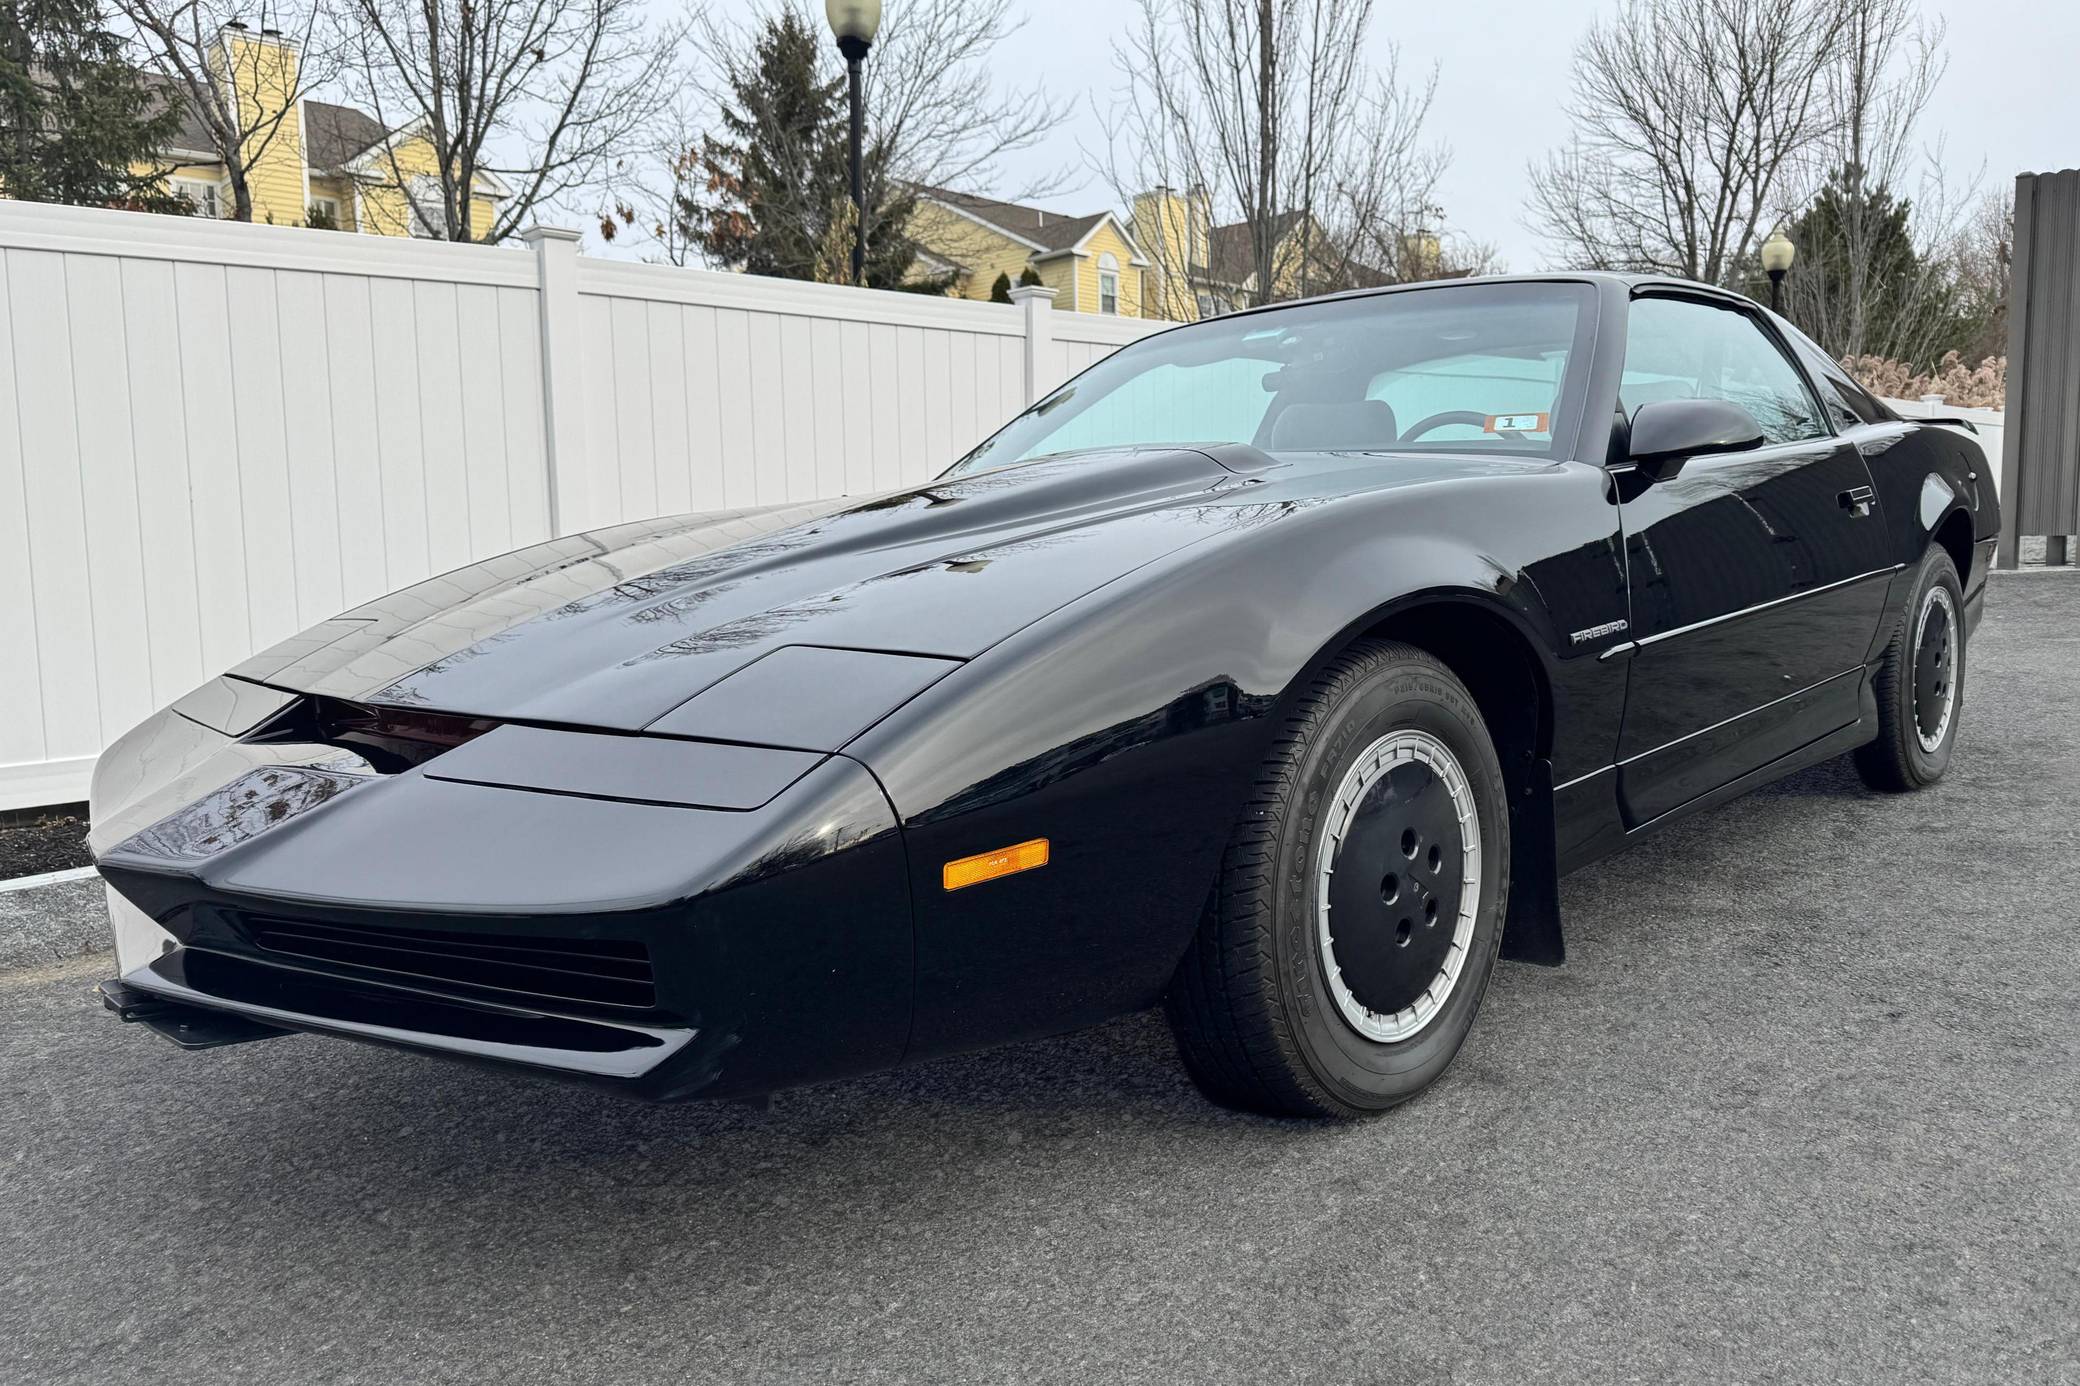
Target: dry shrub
point(1984, 386)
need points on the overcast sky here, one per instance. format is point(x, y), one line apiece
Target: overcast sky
point(2010, 100)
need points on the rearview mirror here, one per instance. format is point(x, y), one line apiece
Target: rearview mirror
point(1668, 433)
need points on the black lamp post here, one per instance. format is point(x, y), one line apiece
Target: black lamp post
point(855, 22)
point(1777, 254)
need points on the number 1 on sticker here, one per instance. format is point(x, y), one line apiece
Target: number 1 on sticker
point(1517, 423)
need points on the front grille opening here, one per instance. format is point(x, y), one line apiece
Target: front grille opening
point(596, 972)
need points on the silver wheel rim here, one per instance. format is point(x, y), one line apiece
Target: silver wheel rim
point(1938, 600)
point(1378, 760)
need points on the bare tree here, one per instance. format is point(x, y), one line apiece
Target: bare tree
point(937, 95)
point(1688, 115)
point(540, 94)
point(1268, 115)
point(1382, 220)
point(1982, 267)
point(648, 185)
point(1872, 228)
point(241, 81)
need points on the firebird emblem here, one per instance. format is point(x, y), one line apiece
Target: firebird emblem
point(1583, 637)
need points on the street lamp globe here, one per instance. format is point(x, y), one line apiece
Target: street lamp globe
point(853, 21)
point(1777, 251)
point(1777, 254)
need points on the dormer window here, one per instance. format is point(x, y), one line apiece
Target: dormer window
point(1108, 283)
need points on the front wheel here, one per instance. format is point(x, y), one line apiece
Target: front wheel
point(1919, 684)
point(1360, 903)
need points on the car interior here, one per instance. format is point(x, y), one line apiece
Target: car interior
point(1481, 368)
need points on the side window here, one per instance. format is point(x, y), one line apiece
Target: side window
point(1837, 407)
point(1679, 348)
point(1847, 400)
point(1857, 400)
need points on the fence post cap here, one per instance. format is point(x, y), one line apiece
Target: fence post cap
point(1931, 399)
point(1040, 292)
point(535, 235)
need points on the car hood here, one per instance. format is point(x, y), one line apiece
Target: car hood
point(616, 627)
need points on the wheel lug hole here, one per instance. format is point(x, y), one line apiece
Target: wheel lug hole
point(1436, 856)
point(1389, 888)
point(1430, 910)
point(1403, 931)
point(1410, 842)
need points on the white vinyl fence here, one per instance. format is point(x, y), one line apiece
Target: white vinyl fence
point(223, 433)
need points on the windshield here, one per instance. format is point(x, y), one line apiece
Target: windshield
point(1461, 368)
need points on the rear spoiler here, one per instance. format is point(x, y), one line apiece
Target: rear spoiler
point(1953, 420)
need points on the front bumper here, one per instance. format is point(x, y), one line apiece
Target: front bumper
point(661, 949)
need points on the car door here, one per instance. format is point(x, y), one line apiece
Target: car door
point(1757, 576)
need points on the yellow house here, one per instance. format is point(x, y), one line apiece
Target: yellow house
point(1091, 262)
point(1199, 270)
point(323, 165)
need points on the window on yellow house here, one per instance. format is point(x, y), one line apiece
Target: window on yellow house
point(200, 195)
point(424, 194)
point(1108, 283)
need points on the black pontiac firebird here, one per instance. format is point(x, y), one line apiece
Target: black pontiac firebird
point(1274, 668)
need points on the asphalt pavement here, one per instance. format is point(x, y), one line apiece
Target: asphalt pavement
point(1803, 1106)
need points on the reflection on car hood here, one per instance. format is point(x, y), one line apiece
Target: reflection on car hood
point(616, 627)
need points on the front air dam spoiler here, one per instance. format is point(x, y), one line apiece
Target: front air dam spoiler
point(190, 1027)
point(201, 999)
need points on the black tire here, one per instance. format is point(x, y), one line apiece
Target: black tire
point(1919, 683)
point(1252, 1006)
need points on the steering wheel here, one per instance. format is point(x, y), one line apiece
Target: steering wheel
point(1449, 416)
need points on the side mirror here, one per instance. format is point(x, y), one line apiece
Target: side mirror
point(1670, 432)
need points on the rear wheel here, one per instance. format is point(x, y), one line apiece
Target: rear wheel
point(1919, 684)
point(1355, 922)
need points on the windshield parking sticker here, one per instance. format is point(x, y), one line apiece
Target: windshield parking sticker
point(1517, 423)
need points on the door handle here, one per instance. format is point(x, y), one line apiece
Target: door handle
point(1859, 501)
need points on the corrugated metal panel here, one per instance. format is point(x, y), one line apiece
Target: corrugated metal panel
point(2040, 462)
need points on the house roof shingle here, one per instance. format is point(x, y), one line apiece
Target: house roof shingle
point(192, 135)
point(1231, 251)
point(1051, 231)
point(332, 135)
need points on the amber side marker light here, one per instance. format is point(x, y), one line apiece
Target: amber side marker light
point(987, 866)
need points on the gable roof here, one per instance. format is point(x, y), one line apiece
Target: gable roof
point(368, 160)
point(334, 134)
point(1230, 250)
point(192, 136)
point(1045, 233)
point(1036, 227)
point(331, 134)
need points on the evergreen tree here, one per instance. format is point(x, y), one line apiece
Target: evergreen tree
point(772, 192)
point(1028, 277)
point(1860, 285)
point(1000, 292)
point(76, 120)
